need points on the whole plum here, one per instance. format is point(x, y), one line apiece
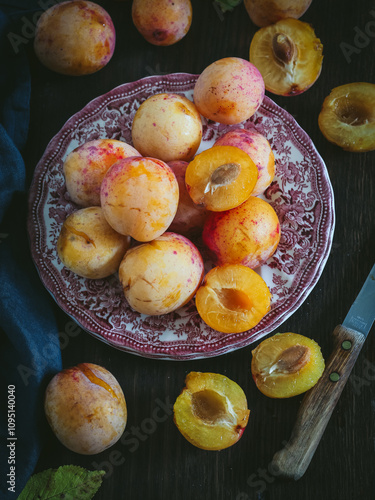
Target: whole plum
point(89, 246)
point(167, 126)
point(229, 91)
point(247, 235)
point(162, 275)
point(139, 197)
point(85, 167)
point(162, 22)
point(86, 408)
point(75, 38)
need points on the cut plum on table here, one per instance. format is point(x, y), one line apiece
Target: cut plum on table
point(211, 412)
point(347, 118)
point(286, 364)
point(289, 56)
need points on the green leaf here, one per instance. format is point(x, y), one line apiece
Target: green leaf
point(227, 4)
point(68, 482)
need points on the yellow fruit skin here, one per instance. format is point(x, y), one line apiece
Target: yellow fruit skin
point(89, 246)
point(75, 38)
point(162, 275)
point(139, 197)
point(86, 408)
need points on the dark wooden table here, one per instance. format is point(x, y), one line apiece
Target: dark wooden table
point(160, 463)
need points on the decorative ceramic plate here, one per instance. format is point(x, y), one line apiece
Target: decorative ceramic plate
point(301, 194)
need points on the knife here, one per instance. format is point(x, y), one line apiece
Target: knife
point(319, 402)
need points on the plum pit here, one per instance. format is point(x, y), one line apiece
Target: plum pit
point(283, 48)
point(208, 405)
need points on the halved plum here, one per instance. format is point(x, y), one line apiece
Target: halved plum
point(288, 55)
point(347, 118)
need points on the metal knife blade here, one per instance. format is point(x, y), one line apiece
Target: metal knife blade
point(319, 402)
point(361, 315)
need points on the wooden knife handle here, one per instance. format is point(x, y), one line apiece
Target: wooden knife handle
point(317, 406)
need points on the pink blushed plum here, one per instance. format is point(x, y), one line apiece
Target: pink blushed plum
point(229, 90)
point(75, 38)
point(248, 234)
point(258, 148)
point(85, 167)
point(162, 275)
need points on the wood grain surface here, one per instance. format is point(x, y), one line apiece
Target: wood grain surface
point(153, 461)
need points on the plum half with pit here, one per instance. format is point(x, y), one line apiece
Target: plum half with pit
point(286, 364)
point(258, 148)
point(221, 178)
point(289, 56)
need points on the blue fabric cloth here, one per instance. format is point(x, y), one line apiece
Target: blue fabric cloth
point(29, 349)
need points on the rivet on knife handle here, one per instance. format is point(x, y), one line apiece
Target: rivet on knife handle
point(317, 406)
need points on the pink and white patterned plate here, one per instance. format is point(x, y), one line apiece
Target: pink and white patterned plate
point(301, 194)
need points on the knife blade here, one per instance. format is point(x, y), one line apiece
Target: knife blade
point(319, 402)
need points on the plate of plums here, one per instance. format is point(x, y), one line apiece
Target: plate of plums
point(178, 217)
